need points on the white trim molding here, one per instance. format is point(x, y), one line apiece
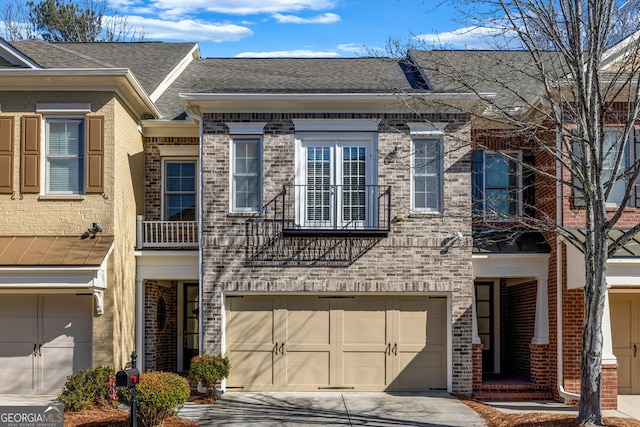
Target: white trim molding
point(427, 128)
point(244, 128)
point(179, 150)
point(62, 108)
point(336, 125)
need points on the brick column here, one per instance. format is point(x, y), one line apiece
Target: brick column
point(540, 364)
point(609, 387)
point(477, 366)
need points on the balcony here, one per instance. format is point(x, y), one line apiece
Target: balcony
point(166, 234)
point(332, 210)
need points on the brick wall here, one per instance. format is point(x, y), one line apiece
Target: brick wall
point(160, 346)
point(519, 328)
point(410, 259)
point(153, 172)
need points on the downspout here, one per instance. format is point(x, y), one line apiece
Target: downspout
point(559, 218)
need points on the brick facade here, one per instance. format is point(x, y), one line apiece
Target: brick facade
point(410, 259)
point(161, 335)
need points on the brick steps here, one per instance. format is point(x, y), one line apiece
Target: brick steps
point(512, 391)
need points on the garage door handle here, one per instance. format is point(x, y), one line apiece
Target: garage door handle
point(35, 347)
point(395, 349)
point(282, 348)
point(388, 350)
point(275, 349)
point(40, 349)
point(634, 350)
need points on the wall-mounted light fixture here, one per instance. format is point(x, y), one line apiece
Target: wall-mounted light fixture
point(393, 155)
point(92, 231)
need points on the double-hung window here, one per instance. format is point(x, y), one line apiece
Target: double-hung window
point(427, 174)
point(180, 190)
point(246, 178)
point(612, 144)
point(65, 155)
point(502, 185)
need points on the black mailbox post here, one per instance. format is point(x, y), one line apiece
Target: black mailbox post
point(129, 378)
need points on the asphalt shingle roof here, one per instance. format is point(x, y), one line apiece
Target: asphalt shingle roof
point(287, 75)
point(512, 75)
point(150, 62)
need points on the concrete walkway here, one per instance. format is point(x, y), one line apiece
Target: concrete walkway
point(340, 409)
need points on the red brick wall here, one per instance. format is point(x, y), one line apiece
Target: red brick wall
point(540, 364)
point(160, 347)
point(609, 387)
point(476, 362)
point(519, 328)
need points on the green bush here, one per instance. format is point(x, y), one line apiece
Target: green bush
point(209, 370)
point(159, 395)
point(86, 388)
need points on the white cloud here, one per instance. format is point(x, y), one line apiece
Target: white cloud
point(245, 7)
point(466, 38)
point(188, 29)
point(300, 53)
point(325, 18)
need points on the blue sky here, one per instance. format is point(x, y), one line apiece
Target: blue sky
point(301, 28)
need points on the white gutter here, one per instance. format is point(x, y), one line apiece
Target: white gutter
point(559, 219)
point(329, 96)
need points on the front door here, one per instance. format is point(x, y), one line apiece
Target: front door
point(625, 328)
point(190, 324)
point(484, 314)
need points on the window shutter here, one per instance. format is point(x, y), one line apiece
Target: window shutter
point(6, 155)
point(477, 179)
point(95, 154)
point(528, 184)
point(30, 147)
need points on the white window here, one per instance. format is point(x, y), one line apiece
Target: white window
point(612, 146)
point(246, 186)
point(179, 185)
point(335, 184)
point(65, 156)
point(427, 174)
point(502, 185)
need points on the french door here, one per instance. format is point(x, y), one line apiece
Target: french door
point(336, 187)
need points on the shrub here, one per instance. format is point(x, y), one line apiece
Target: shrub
point(159, 395)
point(86, 388)
point(209, 370)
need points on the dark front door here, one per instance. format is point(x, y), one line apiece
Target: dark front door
point(190, 322)
point(484, 313)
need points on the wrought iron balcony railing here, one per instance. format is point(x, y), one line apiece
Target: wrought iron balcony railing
point(350, 210)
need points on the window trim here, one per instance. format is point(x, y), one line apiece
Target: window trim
point(512, 153)
point(334, 140)
point(258, 139)
point(170, 159)
point(45, 157)
point(438, 138)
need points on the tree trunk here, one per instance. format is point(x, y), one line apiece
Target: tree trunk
point(594, 298)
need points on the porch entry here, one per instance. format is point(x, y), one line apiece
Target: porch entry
point(190, 324)
point(43, 339)
point(329, 343)
point(625, 327)
point(485, 316)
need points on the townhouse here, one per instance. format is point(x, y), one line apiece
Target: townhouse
point(323, 222)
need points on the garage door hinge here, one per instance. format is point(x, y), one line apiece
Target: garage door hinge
point(235, 387)
point(337, 297)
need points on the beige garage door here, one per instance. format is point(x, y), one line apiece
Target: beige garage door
point(43, 339)
point(336, 343)
point(625, 326)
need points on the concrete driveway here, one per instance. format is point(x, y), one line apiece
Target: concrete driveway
point(340, 409)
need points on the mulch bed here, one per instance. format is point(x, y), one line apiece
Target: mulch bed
point(496, 418)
